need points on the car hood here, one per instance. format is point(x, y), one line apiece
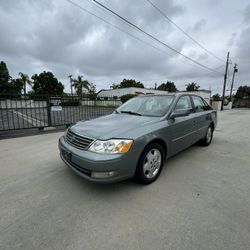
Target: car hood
point(112, 126)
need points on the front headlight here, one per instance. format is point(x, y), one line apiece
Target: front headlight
point(113, 146)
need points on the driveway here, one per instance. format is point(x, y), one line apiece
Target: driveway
point(200, 201)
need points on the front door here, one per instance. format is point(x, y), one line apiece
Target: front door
point(182, 129)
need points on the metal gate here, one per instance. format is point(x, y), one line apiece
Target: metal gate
point(37, 111)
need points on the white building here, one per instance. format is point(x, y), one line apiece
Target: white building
point(206, 94)
point(125, 91)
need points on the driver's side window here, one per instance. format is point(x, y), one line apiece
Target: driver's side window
point(183, 103)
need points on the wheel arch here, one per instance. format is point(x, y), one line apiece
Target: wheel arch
point(212, 124)
point(138, 169)
point(161, 142)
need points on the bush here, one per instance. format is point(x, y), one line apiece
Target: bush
point(125, 98)
point(216, 98)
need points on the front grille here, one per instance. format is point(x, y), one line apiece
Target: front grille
point(78, 141)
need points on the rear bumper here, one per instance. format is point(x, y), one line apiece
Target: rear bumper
point(83, 163)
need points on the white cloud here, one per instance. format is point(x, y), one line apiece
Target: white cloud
point(57, 36)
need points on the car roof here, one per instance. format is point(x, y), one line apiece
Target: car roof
point(169, 94)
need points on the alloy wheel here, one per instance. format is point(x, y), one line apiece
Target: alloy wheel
point(152, 163)
point(209, 135)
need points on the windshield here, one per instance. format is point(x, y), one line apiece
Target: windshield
point(147, 105)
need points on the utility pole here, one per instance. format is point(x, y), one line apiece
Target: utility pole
point(155, 85)
point(232, 85)
point(225, 81)
point(70, 79)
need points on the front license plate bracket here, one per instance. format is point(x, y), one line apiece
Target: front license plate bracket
point(66, 155)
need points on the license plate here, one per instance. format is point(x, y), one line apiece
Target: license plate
point(66, 155)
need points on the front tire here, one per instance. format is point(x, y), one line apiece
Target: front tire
point(150, 164)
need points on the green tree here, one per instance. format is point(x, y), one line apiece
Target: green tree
point(26, 80)
point(115, 86)
point(79, 84)
point(5, 78)
point(168, 86)
point(127, 83)
point(216, 98)
point(243, 91)
point(16, 86)
point(46, 84)
point(92, 90)
point(126, 97)
point(7, 84)
point(192, 86)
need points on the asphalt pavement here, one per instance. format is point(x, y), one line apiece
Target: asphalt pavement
point(200, 201)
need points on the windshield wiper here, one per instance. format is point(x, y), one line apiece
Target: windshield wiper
point(131, 113)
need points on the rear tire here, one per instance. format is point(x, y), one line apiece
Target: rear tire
point(150, 164)
point(206, 141)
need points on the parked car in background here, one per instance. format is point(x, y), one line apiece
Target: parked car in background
point(136, 139)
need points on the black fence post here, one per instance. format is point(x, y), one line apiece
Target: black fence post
point(48, 111)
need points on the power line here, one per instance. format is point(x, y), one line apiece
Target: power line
point(183, 31)
point(136, 38)
point(116, 27)
point(103, 9)
point(107, 11)
point(154, 38)
point(209, 73)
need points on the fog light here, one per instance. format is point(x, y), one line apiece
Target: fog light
point(102, 174)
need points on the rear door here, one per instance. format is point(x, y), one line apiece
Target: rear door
point(202, 116)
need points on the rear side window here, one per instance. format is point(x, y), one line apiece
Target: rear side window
point(199, 104)
point(183, 103)
point(207, 107)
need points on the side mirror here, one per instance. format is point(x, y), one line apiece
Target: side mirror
point(180, 113)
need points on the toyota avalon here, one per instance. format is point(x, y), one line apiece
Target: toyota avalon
point(137, 138)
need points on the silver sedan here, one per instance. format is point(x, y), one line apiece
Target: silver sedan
point(137, 138)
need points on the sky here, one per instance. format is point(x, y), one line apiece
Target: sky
point(62, 37)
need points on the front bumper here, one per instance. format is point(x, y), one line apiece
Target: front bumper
point(83, 163)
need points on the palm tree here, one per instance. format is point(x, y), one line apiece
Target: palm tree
point(79, 84)
point(25, 79)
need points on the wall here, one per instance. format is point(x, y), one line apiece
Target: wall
point(125, 91)
point(22, 104)
point(105, 103)
point(216, 105)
